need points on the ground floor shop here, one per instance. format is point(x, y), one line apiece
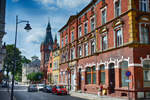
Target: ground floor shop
point(108, 69)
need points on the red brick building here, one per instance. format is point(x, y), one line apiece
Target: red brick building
point(102, 42)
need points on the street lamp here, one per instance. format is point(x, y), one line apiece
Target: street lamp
point(27, 27)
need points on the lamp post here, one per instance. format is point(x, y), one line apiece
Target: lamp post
point(27, 27)
point(68, 69)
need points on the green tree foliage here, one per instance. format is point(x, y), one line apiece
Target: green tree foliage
point(35, 77)
point(9, 61)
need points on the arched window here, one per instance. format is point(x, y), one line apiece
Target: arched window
point(91, 75)
point(124, 69)
point(146, 73)
point(102, 74)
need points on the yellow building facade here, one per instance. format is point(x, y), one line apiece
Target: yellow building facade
point(55, 68)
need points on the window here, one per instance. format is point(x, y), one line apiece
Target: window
point(85, 28)
point(85, 16)
point(124, 69)
point(104, 16)
point(80, 51)
point(119, 37)
point(72, 54)
point(117, 8)
point(50, 65)
point(72, 36)
point(61, 78)
point(80, 20)
point(144, 34)
point(66, 39)
point(144, 5)
point(62, 42)
point(92, 24)
point(66, 76)
point(102, 74)
point(146, 72)
point(92, 10)
point(93, 47)
point(80, 32)
point(86, 49)
point(104, 42)
point(91, 75)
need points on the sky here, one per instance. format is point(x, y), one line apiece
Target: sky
point(37, 12)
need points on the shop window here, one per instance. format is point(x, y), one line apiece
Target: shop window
point(144, 33)
point(91, 75)
point(146, 72)
point(124, 68)
point(102, 74)
point(144, 5)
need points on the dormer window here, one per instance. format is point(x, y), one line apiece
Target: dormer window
point(144, 5)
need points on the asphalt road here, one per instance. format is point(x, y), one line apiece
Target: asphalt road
point(22, 94)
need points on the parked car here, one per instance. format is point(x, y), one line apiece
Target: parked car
point(59, 89)
point(40, 87)
point(47, 89)
point(32, 88)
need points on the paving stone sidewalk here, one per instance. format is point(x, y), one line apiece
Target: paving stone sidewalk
point(93, 97)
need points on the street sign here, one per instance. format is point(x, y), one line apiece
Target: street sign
point(128, 73)
point(128, 81)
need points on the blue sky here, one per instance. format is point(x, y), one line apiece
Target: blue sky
point(38, 12)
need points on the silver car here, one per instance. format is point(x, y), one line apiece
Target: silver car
point(32, 88)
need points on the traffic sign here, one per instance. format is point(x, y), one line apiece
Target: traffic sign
point(128, 73)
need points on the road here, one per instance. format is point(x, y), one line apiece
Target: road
point(22, 94)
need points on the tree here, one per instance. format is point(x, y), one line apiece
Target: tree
point(35, 76)
point(9, 61)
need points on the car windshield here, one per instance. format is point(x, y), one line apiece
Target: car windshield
point(41, 85)
point(59, 86)
point(33, 85)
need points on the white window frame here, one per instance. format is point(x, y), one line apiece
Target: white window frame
point(103, 35)
point(62, 42)
point(93, 17)
point(72, 49)
point(147, 5)
point(87, 52)
point(115, 36)
point(84, 27)
point(66, 39)
point(140, 26)
point(93, 40)
point(105, 8)
point(79, 33)
point(79, 52)
point(72, 35)
point(115, 8)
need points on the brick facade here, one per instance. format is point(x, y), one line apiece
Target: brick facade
point(124, 48)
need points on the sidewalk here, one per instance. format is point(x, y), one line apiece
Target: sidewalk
point(93, 97)
point(4, 95)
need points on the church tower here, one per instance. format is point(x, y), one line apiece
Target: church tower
point(46, 48)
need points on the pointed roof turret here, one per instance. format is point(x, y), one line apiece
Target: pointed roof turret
point(48, 38)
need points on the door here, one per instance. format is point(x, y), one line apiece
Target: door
point(111, 78)
point(80, 79)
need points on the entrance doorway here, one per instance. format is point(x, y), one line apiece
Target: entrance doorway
point(111, 78)
point(80, 79)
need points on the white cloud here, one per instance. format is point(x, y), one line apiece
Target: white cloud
point(63, 3)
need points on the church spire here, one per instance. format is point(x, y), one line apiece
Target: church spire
point(48, 38)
